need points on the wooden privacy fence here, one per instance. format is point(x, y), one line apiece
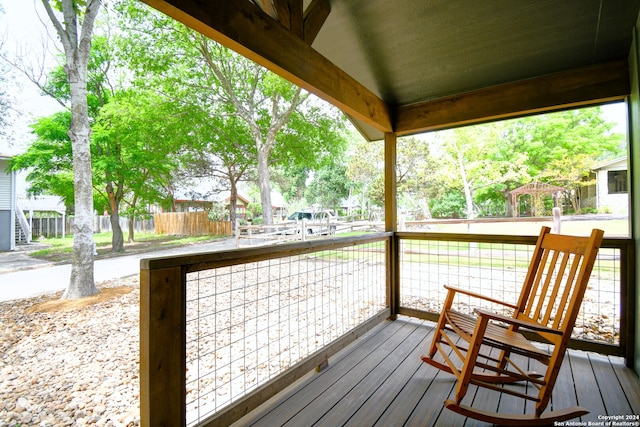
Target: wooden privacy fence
point(190, 224)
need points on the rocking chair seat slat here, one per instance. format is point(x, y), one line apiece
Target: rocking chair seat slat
point(494, 332)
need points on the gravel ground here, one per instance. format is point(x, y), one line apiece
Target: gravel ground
point(66, 363)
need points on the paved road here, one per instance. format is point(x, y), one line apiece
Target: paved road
point(22, 276)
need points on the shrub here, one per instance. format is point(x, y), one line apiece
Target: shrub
point(451, 205)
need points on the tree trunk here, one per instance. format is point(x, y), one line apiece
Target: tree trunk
point(81, 283)
point(117, 239)
point(466, 185)
point(131, 220)
point(427, 210)
point(264, 182)
point(131, 223)
point(233, 200)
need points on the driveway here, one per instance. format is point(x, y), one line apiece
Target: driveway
point(22, 276)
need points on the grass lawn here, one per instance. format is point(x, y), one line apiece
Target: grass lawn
point(611, 227)
point(60, 249)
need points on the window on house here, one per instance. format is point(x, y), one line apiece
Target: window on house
point(617, 182)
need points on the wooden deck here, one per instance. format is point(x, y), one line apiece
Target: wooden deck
point(380, 381)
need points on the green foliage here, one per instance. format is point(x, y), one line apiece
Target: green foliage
point(376, 192)
point(329, 186)
point(253, 210)
point(99, 89)
point(240, 112)
point(48, 159)
point(135, 140)
point(489, 201)
point(78, 5)
point(449, 205)
point(291, 179)
point(257, 220)
point(485, 162)
point(217, 212)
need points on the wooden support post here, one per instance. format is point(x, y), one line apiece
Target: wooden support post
point(391, 223)
point(162, 346)
point(390, 183)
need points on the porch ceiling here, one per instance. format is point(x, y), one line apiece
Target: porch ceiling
point(412, 65)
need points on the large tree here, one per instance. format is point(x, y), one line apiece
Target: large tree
point(466, 165)
point(136, 140)
point(416, 174)
point(365, 170)
point(262, 99)
point(415, 171)
point(133, 143)
point(284, 124)
point(329, 185)
point(223, 149)
point(75, 32)
point(99, 92)
point(557, 148)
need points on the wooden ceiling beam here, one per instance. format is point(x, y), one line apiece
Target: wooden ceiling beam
point(245, 28)
point(290, 15)
point(570, 89)
point(314, 17)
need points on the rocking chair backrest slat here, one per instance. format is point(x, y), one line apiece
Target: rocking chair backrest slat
point(548, 270)
point(571, 279)
point(538, 274)
point(557, 278)
point(556, 289)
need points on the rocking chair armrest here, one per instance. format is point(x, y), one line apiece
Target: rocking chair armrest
point(479, 296)
point(512, 321)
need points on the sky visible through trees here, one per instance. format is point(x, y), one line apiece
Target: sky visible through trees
point(25, 33)
point(22, 30)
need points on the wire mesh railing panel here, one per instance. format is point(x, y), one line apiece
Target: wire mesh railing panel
point(599, 318)
point(249, 323)
point(498, 270)
point(495, 270)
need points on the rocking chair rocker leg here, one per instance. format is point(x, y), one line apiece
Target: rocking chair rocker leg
point(516, 419)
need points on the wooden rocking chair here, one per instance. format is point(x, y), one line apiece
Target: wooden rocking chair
point(548, 305)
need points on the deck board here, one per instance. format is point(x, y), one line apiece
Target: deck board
point(586, 385)
point(608, 385)
point(343, 385)
point(393, 384)
point(379, 380)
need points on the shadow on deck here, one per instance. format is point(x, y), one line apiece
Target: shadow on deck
point(379, 380)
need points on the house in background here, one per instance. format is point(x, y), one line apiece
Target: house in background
point(7, 205)
point(241, 204)
point(191, 205)
point(46, 215)
point(277, 204)
point(612, 191)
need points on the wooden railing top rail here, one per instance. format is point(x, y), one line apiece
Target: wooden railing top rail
point(607, 242)
point(209, 260)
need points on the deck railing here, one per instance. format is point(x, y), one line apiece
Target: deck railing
point(223, 332)
point(234, 328)
point(496, 266)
